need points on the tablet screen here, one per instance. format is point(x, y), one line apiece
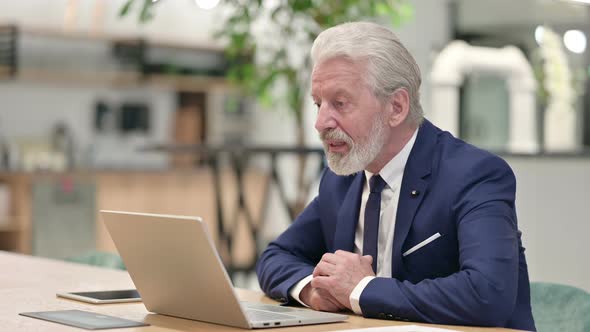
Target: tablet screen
point(110, 295)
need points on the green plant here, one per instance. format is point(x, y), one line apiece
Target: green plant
point(145, 14)
point(295, 24)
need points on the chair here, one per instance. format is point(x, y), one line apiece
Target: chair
point(99, 258)
point(560, 308)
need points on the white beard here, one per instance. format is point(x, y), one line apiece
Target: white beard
point(360, 154)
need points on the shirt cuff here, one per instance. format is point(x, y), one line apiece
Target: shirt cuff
point(355, 296)
point(296, 290)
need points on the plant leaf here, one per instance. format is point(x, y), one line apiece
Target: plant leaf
point(126, 7)
point(146, 12)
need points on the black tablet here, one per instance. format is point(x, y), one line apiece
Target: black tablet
point(108, 296)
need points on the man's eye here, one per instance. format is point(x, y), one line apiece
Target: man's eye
point(339, 104)
point(317, 105)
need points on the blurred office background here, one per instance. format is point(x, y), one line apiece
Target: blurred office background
point(102, 111)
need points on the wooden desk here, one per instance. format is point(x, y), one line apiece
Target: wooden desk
point(30, 283)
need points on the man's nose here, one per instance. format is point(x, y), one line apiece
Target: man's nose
point(324, 120)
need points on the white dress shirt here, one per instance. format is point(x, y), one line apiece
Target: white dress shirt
point(392, 173)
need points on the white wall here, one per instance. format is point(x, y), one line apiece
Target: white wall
point(552, 198)
point(30, 111)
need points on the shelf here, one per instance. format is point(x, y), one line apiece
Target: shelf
point(116, 78)
point(43, 75)
point(53, 56)
point(100, 36)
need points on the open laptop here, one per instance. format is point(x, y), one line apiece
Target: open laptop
point(176, 269)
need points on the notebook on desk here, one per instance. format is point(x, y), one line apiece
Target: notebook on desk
point(177, 270)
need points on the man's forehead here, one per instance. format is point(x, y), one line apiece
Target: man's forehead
point(337, 65)
point(327, 71)
point(336, 76)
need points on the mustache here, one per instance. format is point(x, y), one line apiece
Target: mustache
point(336, 135)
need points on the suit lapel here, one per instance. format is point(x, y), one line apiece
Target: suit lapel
point(413, 190)
point(348, 215)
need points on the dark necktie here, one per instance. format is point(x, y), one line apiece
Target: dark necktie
point(372, 212)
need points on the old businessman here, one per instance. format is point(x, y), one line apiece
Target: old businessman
point(410, 223)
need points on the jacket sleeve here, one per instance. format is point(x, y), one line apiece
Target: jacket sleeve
point(293, 255)
point(484, 290)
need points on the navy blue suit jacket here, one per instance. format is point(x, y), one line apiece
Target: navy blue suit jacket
point(474, 274)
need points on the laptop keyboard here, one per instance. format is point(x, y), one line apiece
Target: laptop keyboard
point(261, 315)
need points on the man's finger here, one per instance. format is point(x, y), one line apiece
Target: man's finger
point(327, 305)
point(345, 254)
point(331, 258)
point(326, 295)
point(367, 259)
point(316, 272)
point(321, 300)
point(329, 300)
point(323, 269)
point(321, 282)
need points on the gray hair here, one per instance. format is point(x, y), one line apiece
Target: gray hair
point(389, 64)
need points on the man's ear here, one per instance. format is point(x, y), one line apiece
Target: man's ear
point(400, 106)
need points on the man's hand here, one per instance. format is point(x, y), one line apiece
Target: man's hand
point(340, 272)
point(319, 299)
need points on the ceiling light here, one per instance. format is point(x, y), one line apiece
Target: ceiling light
point(575, 41)
point(539, 31)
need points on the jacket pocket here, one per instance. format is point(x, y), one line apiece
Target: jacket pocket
point(422, 244)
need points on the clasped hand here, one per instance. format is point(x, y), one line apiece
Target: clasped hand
point(334, 279)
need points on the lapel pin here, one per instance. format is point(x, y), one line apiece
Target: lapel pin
point(415, 193)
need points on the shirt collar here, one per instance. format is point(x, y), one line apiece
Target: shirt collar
point(394, 169)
